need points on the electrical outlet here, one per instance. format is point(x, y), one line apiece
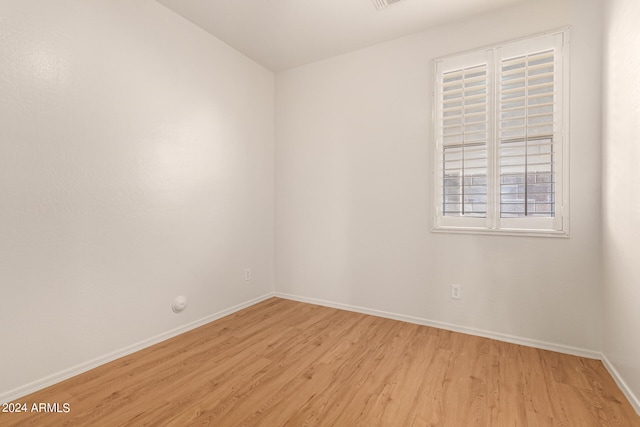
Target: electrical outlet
point(247, 273)
point(456, 292)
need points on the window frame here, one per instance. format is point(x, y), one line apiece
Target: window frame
point(493, 223)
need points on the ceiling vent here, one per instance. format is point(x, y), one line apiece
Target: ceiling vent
point(381, 4)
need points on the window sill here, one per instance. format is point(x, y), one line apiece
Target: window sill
point(502, 232)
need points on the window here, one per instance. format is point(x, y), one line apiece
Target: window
point(501, 138)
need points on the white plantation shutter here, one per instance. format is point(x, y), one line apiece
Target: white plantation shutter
point(526, 135)
point(464, 138)
point(501, 149)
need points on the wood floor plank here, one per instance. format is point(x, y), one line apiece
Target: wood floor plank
point(285, 363)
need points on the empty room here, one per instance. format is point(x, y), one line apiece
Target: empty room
point(332, 213)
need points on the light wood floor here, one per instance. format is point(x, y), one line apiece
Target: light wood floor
point(287, 363)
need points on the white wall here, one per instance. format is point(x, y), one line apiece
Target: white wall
point(136, 164)
point(353, 190)
point(621, 345)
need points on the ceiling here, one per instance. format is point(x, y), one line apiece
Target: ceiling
point(281, 34)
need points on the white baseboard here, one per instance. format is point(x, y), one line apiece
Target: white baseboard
point(633, 399)
point(590, 354)
point(34, 386)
